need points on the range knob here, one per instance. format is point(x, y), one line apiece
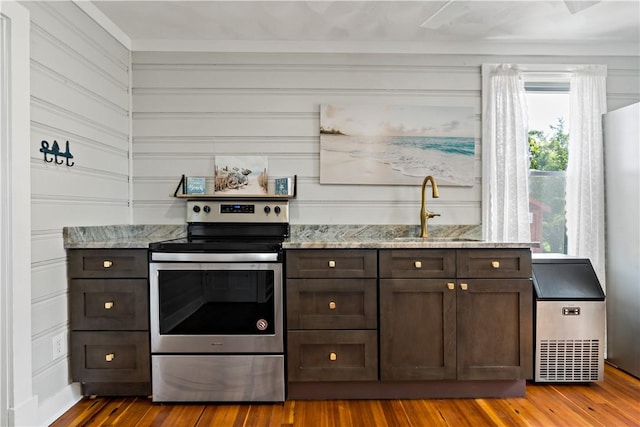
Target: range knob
point(196, 208)
point(206, 209)
point(267, 210)
point(277, 210)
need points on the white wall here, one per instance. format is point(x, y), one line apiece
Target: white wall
point(80, 94)
point(188, 107)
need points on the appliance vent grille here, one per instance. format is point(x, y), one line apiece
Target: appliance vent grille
point(569, 360)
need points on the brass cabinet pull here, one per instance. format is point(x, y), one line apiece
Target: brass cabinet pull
point(332, 264)
point(495, 264)
point(107, 264)
point(451, 286)
point(464, 286)
point(332, 305)
point(108, 305)
point(417, 264)
point(333, 357)
point(109, 357)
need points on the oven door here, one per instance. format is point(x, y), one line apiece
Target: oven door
point(215, 307)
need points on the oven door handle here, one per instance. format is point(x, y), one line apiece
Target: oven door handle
point(213, 257)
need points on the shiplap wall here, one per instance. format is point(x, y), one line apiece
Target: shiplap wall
point(80, 94)
point(189, 107)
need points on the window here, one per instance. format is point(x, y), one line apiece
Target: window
point(548, 118)
point(506, 211)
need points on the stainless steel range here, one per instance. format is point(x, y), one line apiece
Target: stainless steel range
point(216, 305)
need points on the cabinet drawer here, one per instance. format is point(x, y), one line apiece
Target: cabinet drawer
point(417, 263)
point(313, 263)
point(109, 304)
point(331, 304)
point(110, 356)
point(108, 263)
point(494, 263)
point(332, 356)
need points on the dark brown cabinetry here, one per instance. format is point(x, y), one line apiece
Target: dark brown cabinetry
point(494, 314)
point(109, 316)
point(332, 315)
point(417, 314)
point(469, 316)
point(408, 323)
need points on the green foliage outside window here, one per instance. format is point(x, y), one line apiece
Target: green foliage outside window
point(549, 154)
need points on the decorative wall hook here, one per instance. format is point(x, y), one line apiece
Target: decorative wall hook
point(55, 152)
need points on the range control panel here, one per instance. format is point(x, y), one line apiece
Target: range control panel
point(238, 211)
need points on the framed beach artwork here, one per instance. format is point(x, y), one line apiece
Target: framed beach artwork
point(396, 145)
point(240, 175)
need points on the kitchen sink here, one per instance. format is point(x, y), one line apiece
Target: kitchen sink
point(435, 239)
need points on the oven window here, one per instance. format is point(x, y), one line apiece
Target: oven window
point(214, 302)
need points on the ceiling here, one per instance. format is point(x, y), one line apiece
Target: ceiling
point(375, 23)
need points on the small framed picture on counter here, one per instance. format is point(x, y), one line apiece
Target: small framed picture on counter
point(196, 185)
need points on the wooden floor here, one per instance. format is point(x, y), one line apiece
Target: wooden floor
point(613, 402)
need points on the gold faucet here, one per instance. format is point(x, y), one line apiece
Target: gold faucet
point(425, 214)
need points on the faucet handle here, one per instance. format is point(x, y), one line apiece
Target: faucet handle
point(432, 214)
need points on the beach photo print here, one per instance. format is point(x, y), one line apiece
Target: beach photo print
point(396, 145)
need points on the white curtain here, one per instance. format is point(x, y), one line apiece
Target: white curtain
point(585, 166)
point(505, 128)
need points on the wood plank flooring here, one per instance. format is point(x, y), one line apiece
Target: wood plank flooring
point(614, 402)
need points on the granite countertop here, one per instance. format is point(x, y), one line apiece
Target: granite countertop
point(391, 237)
point(402, 243)
point(119, 236)
point(301, 237)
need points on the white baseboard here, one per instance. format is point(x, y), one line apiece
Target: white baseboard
point(51, 409)
point(25, 414)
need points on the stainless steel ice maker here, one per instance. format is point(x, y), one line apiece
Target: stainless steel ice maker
point(569, 320)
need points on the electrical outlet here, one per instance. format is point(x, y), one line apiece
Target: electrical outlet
point(59, 345)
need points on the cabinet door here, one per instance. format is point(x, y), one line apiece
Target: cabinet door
point(110, 356)
point(332, 304)
point(109, 304)
point(495, 329)
point(332, 355)
point(417, 329)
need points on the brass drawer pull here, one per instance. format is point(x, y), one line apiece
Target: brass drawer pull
point(109, 357)
point(464, 286)
point(451, 286)
point(332, 305)
point(332, 264)
point(495, 264)
point(107, 264)
point(333, 357)
point(417, 264)
point(108, 305)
